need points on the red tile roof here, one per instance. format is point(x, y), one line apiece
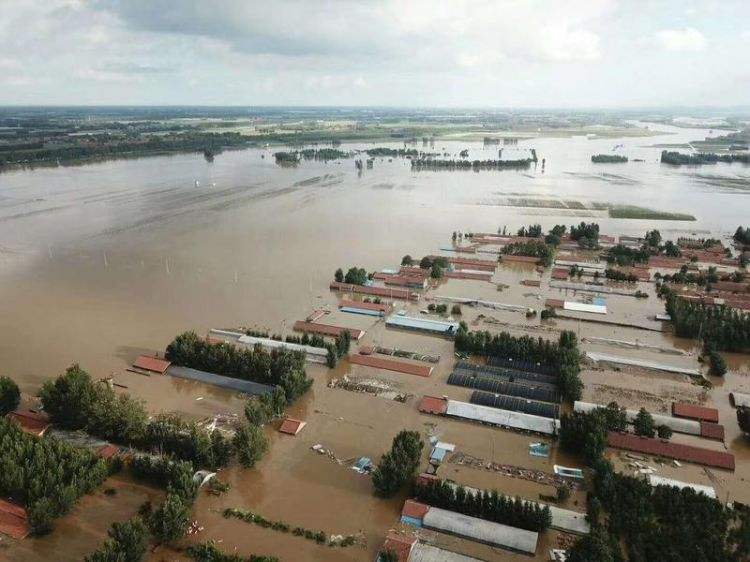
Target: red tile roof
point(560, 273)
point(433, 405)
point(13, 520)
point(107, 451)
point(531, 282)
point(414, 509)
point(554, 303)
point(693, 412)
point(468, 275)
point(388, 292)
point(657, 447)
point(712, 431)
point(30, 422)
point(152, 364)
point(401, 545)
point(523, 259)
point(391, 365)
point(291, 426)
point(326, 330)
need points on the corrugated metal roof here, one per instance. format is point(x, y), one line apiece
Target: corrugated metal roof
point(680, 425)
point(585, 307)
point(30, 422)
point(290, 426)
point(401, 545)
point(655, 480)
point(694, 412)
point(504, 418)
point(153, 364)
point(414, 509)
point(594, 356)
point(240, 385)
point(422, 324)
point(13, 520)
point(391, 365)
point(326, 330)
point(739, 399)
point(657, 447)
point(712, 431)
point(433, 405)
point(486, 532)
point(427, 553)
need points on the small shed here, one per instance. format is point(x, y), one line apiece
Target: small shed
point(32, 423)
point(152, 364)
point(13, 520)
point(433, 405)
point(290, 426)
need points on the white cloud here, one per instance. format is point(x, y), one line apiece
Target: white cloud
point(688, 39)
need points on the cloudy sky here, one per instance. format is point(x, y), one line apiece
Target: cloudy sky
point(500, 53)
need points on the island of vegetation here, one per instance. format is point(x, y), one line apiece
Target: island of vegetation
point(679, 159)
point(608, 159)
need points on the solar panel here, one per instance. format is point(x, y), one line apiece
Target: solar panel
point(499, 386)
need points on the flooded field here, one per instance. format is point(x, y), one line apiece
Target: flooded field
point(100, 263)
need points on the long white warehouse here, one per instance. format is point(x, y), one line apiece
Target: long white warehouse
point(655, 480)
point(487, 532)
point(594, 356)
point(312, 354)
point(504, 418)
point(679, 425)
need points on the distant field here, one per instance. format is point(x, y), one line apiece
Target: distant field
point(632, 212)
point(614, 211)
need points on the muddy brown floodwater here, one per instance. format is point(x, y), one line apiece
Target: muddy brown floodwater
point(99, 263)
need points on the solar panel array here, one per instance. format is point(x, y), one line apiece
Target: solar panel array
point(510, 374)
point(515, 404)
point(497, 385)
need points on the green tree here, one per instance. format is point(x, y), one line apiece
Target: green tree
point(644, 424)
point(594, 547)
point(127, 543)
point(251, 444)
point(743, 418)
point(664, 432)
point(407, 260)
point(399, 465)
point(169, 522)
point(436, 272)
point(717, 365)
point(339, 275)
point(10, 396)
point(388, 556)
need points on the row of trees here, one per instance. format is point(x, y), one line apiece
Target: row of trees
point(10, 395)
point(562, 355)
point(277, 367)
point(725, 328)
point(678, 158)
point(587, 235)
point(46, 476)
point(484, 504)
point(381, 151)
point(476, 165)
point(355, 276)
point(534, 248)
point(127, 542)
point(74, 401)
point(399, 465)
point(608, 158)
point(209, 552)
point(532, 231)
point(618, 275)
point(742, 236)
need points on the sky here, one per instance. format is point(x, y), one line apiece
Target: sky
point(414, 53)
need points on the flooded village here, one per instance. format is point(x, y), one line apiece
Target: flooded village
point(292, 319)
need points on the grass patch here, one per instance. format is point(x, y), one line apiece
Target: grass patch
point(633, 212)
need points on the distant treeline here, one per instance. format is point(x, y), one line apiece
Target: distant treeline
point(392, 152)
point(679, 159)
point(88, 147)
point(476, 165)
point(608, 158)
